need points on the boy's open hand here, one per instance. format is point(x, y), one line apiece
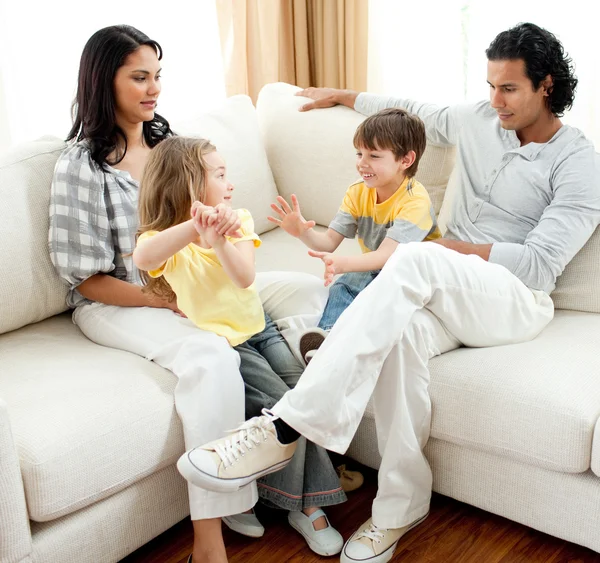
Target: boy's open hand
point(333, 264)
point(291, 220)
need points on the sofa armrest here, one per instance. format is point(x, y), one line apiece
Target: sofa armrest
point(15, 535)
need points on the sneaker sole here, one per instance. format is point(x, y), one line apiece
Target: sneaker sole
point(249, 531)
point(310, 341)
point(314, 546)
point(387, 555)
point(219, 485)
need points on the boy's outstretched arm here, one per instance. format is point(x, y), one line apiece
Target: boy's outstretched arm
point(362, 263)
point(293, 223)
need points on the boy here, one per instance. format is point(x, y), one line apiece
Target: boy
point(388, 207)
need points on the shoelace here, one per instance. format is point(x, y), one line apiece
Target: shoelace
point(250, 434)
point(373, 533)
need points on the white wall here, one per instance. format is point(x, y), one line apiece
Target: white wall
point(41, 42)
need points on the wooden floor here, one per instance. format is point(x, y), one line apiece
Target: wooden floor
point(453, 533)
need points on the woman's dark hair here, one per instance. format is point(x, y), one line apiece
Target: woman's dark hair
point(94, 105)
point(543, 55)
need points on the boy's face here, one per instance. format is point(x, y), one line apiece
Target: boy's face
point(218, 187)
point(379, 168)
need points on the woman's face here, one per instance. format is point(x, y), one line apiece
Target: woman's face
point(137, 87)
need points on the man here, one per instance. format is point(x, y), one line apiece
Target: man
point(528, 199)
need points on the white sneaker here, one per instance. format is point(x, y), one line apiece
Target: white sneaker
point(327, 541)
point(245, 524)
point(228, 464)
point(370, 544)
point(310, 342)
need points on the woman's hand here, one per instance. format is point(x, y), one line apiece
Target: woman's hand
point(291, 221)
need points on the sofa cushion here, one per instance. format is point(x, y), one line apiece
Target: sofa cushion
point(87, 420)
point(233, 128)
point(311, 153)
point(578, 288)
point(30, 290)
point(536, 402)
point(596, 450)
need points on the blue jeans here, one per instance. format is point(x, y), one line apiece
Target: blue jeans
point(270, 369)
point(342, 293)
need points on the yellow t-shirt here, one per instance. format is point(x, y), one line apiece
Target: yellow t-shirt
point(407, 216)
point(206, 294)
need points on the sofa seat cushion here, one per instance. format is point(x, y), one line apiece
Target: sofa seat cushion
point(536, 402)
point(596, 450)
point(87, 421)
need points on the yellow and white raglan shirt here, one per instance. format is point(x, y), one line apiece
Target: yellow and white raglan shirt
point(407, 216)
point(206, 294)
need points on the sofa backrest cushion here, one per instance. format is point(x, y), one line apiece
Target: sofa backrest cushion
point(233, 129)
point(578, 288)
point(30, 290)
point(311, 153)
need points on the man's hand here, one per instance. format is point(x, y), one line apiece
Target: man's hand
point(333, 264)
point(327, 98)
point(291, 221)
point(481, 250)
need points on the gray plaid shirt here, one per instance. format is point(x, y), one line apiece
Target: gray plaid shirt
point(93, 221)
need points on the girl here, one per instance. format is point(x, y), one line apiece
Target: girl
point(187, 255)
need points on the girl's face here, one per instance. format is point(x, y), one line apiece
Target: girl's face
point(137, 87)
point(218, 188)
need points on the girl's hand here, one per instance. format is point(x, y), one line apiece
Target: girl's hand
point(212, 237)
point(291, 221)
point(333, 264)
point(228, 221)
point(203, 217)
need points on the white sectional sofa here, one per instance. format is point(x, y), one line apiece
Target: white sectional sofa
point(89, 436)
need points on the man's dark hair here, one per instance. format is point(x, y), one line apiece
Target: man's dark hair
point(543, 55)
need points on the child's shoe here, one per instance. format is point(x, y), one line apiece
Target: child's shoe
point(245, 524)
point(327, 541)
point(311, 341)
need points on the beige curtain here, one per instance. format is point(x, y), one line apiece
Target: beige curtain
point(302, 42)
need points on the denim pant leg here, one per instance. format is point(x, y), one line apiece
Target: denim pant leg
point(269, 369)
point(342, 293)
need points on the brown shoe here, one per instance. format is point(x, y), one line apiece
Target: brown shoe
point(349, 480)
point(310, 342)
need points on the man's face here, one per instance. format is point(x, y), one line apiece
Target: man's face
point(512, 95)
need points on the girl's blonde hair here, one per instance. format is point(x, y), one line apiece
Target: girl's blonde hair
point(174, 177)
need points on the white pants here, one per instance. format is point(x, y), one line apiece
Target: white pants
point(209, 395)
point(427, 300)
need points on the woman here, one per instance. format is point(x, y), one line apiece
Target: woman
point(93, 221)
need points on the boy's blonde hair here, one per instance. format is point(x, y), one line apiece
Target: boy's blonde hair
point(174, 177)
point(396, 130)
